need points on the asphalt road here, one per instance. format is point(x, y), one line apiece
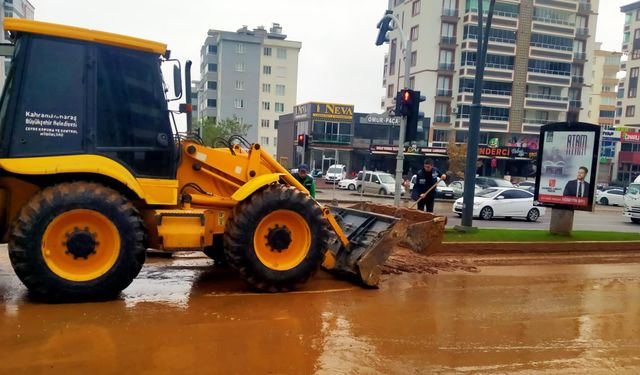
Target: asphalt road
point(184, 315)
point(605, 218)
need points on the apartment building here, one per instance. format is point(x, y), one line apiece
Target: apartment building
point(250, 75)
point(538, 53)
point(628, 106)
point(16, 9)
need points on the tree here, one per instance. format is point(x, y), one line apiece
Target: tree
point(213, 130)
point(457, 158)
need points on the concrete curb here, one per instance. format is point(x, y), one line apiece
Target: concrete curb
point(484, 248)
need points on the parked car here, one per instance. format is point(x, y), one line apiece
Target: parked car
point(351, 183)
point(487, 182)
point(380, 183)
point(613, 197)
point(442, 190)
point(502, 202)
point(458, 188)
point(316, 173)
point(525, 184)
point(335, 173)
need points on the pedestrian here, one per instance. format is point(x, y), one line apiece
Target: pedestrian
point(307, 181)
point(425, 179)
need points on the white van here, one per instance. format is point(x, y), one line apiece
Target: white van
point(632, 201)
point(335, 173)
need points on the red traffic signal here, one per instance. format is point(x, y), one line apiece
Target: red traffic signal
point(407, 96)
point(301, 140)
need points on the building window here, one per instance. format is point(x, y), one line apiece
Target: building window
point(280, 90)
point(211, 103)
point(279, 107)
point(239, 85)
point(212, 67)
point(266, 51)
point(275, 124)
point(212, 85)
point(275, 141)
point(415, 8)
point(266, 69)
point(264, 141)
point(412, 83)
point(414, 58)
point(390, 91)
point(414, 33)
point(212, 50)
point(266, 106)
point(239, 103)
point(240, 67)
point(240, 48)
point(264, 123)
point(281, 53)
point(266, 87)
point(633, 92)
point(631, 111)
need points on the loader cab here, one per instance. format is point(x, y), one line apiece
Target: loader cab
point(73, 97)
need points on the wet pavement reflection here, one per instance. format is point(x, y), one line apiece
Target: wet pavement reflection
point(187, 315)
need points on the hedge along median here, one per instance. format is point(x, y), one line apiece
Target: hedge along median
point(497, 241)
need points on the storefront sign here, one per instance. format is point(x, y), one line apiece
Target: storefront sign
point(410, 149)
point(494, 151)
point(567, 162)
point(373, 118)
point(631, 137)
point(611, 135)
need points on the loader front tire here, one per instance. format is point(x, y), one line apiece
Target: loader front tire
point(277, 238)
point(77, 241)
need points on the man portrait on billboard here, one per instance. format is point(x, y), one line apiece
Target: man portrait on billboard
point(578, 187)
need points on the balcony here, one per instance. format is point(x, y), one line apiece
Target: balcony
point(536, 121)
point(449, 67)
point(442, 92)
point(549, 71)
point(582, 31)
point(487, 91)
point(551, 46)
point(577, 79)
point(490, 65)
point(584, 7)
point(555, 21)
point(579, 56)
point(496, 13)
point(446, 12)
point(342, 139)
point(531, 95)
point(577, 104)
point(442, 119)
point(449, 40)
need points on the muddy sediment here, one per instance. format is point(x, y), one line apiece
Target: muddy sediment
point(403, 260)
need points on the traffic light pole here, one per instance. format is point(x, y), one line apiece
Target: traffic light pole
point(403, 122)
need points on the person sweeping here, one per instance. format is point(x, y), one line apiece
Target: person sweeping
point(422, 191)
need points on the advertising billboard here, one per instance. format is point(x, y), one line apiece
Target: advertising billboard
point(567, 162)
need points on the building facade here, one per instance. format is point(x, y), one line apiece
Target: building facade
point(628, 106)
point(16, 9)
point(250, 75)
point(538, 53)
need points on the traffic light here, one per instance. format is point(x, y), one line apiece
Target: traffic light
point(413, 99)
point(301, 140)
point(384, 26)
point(403, 102)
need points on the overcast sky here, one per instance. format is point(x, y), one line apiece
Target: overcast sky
point(339, 61)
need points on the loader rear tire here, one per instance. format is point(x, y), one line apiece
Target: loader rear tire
point(77, 241)
point(276, 239)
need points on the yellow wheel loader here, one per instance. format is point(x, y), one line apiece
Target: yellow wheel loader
point(92, 174)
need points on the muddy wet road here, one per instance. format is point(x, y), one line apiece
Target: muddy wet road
point(184, 315)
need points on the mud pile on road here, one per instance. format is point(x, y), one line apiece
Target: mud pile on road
point(403, 260)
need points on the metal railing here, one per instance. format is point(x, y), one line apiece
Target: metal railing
point(577, 79)
point(445, 119)
point(556, 21)
point(486, 117)
point(498, 13)
point(532, 95)
point(448, 39)
point(579, 55)
point(446, 66)
point(443, 92)
point(493, 39)
point(575, 104)
point(535, 121)
point(551, 46)
point(489, 65)
point(583, 6)
point(331, 138)
point(449, 12)
point(488, 91)
point(549, 71)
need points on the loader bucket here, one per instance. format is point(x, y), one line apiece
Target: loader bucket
point(373, 230)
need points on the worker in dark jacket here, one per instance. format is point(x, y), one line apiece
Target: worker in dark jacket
point(425, 179)
point(307, 181)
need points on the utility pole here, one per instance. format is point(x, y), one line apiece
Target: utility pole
point(384, 26)
point(474, 119)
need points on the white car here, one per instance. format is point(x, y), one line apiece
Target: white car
point(614, 197)
point(442, 190)
point(458, 188)
point(502, 202)
point(335, 173)
point(350, 184)
point(379, 183)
